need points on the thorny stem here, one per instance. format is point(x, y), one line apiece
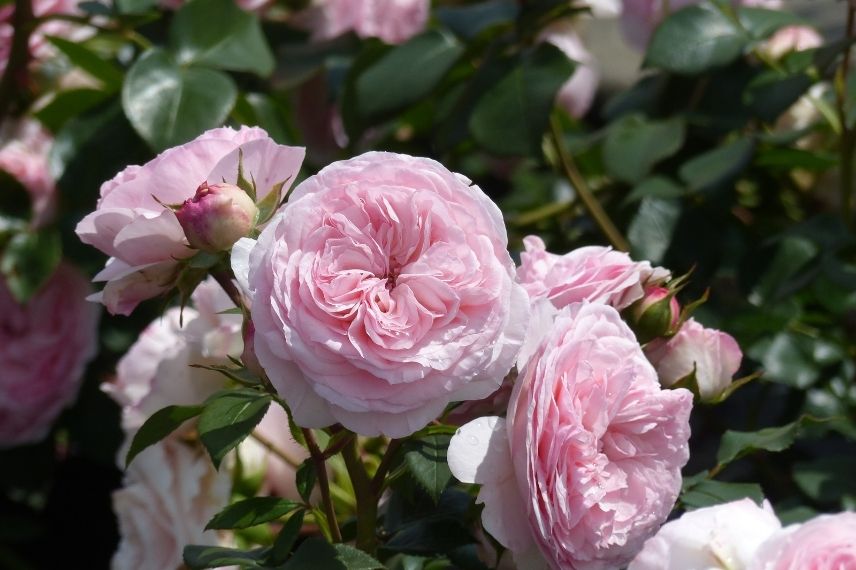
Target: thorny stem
point(323, 483)
point(581, 187)
point(366, 499)
point(848, 142)
point(19, 55)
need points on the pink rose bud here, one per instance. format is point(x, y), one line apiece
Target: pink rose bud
point(655, 315)
point(217, 216)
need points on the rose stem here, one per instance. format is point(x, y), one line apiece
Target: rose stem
point(366, 499)
point(323, 483)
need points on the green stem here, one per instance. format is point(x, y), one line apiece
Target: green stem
point(19, 56)
point(383, 468)
point(323, 483)
point(366, 499)
point(584, 192)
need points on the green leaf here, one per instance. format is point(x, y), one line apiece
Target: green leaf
point(169, 105)
point(414, 68)
point(90, 62)
point(229, 417)
point(736, 444)
point(305, 479)
point(708, 492)
point(511, 117)
point(426, 461)
point(220, 34)
point(29, 260)
point(773, 92)
point(250, 512)
point(651, 230)
point(134, 6)
point(787, 358)
point(718, 166)
point(827, 479)
point(159, 425)
point(67, 104)
point(634, 145)
point(198, 557)
point(655, 187)
point(792, 255)
point(287, 538)
point(316, 553)
point(762, 23)
point(470, 20)
point(695, 39)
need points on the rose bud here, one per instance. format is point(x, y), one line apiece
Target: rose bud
point(655, 315)
point(217, 216)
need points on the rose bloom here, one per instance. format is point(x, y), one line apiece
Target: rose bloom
point(714, 356)
point(826, 542)
point(381, 292)
point(721, 536)
point(44, 348)
point(587, 465)
point(143, 237)
point(24, 148)
point(393, 21)
point(791, 38)
point(578, 92)
point(170, 492)
point(595, 274)
point(156, 370)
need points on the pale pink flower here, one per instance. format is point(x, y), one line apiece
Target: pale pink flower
point(393, 21)
point(791, 38)
point(826, 542)
point(143, 237)
point(24, 148)
point(587, 465)
point(156, 371)
point(578, 92)
point(595, 274)
point(44, 348)
point(714, 356)
point(171, 491)
point(381, 292)
point(721, 536)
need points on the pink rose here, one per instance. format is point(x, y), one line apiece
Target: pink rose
point(587, 465)
point(714, 356)
point(578, 92)
point(595, 274)
point(142, 237)
point(44, 348)
point(170, 492)
point(381, 292)
point(24, 156)
point(791, 38)
point(826, 542)
point(393, 21)
point(722, 536)
point(156, 371)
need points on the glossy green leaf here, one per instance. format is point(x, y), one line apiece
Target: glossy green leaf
point(29, 260)
point(650, 232)
point(761, 23)
point(718, 166)
point(635, 144)
point(66, 105)
point(316, 553)
point(219, 34)
point(287, 538)
point(134, 6)
point(81, 56)
point(250, 512)
point(426, 461)
point(787, 358)
point(199, 557)
point(305, 479)
point(413, 68)
point(168, 104)
point(707, 493)
point(735, 444)
point(159, 425)
point(469, 20)
point(511, 118)
point(229, 417)
point(695, 39)
point(827, 479)
point(655, 187)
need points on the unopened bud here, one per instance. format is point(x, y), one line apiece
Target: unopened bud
point(655, 315)
point(217, 216)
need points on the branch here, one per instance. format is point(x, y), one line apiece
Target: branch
point(323, 483)
point(19, 55)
